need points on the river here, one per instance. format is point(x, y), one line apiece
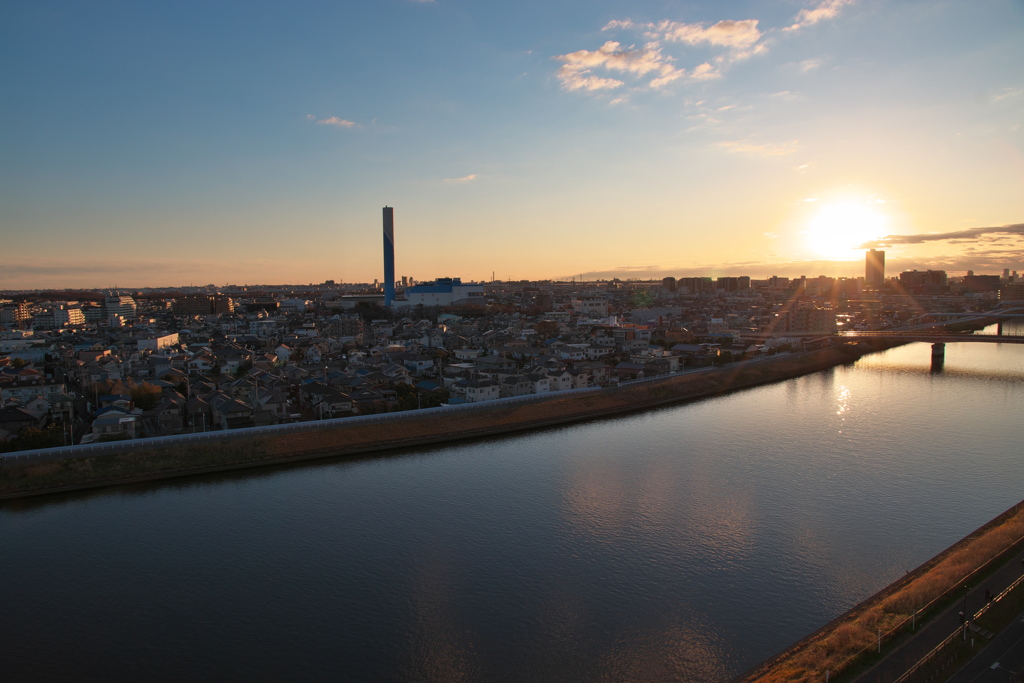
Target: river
point(686, 543)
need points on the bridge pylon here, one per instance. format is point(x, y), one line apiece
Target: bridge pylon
point(938, 356)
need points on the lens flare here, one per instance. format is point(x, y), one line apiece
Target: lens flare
point(838, 230)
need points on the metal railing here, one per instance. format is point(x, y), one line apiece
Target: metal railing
point(958, 632)
point(912, 620)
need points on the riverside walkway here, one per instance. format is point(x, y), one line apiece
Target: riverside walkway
point(894, 666)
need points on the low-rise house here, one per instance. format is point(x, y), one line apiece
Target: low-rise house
point(37, 406)
point(661, 366)
point(123, 401)
point(540, 383)
point(199, 415)
point(234, 414)
point(560, 380)
point(30, 388)
point(515, 385)
point(366, 401)
point(478, 390)
point(201, 363)
point(419, 363)
point(494, 364)
point(273, 402)
point(627, 370)
point(170, 414)
point(580, 378)
point(62, 406)
point(115, 422)
point(14, 419)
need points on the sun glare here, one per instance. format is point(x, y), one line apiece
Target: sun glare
point(838, 230)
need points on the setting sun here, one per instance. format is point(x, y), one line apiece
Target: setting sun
point(838, 230)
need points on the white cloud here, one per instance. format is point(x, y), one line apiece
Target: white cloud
point(728, 41)
point(732, 34)
point(573, 80)
point(763, 150)
point(826, 9)
point(705, 72)
point(576, 72)
point(649, 65)
point(726, 33)
point(458, 181)
point(332, 121)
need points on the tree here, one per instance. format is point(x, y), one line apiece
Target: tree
point(146, 395)
point(32, 437)
point(642, 299)
point(407, 396)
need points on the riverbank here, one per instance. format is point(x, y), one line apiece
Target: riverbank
point(144, 463)
point(845, 647)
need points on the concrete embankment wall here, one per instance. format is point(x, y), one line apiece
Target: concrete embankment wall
point(127, 462)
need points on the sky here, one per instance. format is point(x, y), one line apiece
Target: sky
point(165, 144)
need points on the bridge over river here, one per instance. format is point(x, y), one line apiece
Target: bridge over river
point(938, 338)
point(934, 337)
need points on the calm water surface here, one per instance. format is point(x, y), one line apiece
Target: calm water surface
point(687, 543)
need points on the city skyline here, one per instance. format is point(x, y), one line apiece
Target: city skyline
point(156, 146)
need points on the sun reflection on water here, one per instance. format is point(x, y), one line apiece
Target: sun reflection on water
point(843, 406)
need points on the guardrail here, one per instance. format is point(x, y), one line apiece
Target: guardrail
point(896, 630)
point(958, 632)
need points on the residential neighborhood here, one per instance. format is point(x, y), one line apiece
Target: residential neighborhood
point(99, 366)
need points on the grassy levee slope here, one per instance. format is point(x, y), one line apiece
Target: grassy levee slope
point(147, 463)
point(846, 645)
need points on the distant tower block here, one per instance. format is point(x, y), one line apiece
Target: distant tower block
point(874, 267)
point(389, 255)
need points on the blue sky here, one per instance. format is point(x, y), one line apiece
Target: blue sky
point(150, 144)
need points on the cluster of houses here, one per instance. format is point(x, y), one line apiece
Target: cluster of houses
point(163, 372)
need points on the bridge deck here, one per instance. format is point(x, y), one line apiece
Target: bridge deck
point(933, 338)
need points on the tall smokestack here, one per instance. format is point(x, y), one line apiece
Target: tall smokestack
point(389, 255)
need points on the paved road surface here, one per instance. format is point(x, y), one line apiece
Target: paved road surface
point(908, 654)
point(997, 663)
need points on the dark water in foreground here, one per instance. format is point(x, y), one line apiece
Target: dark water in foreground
point(687, 543)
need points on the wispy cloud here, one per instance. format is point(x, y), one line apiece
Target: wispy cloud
point(1007, 94)
point(826, 9)
point(332, 121)
point(650, 67)
point(990, 234)
point(763, 150)
point(727, 33)
point(577, 68)
point(458, 181)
